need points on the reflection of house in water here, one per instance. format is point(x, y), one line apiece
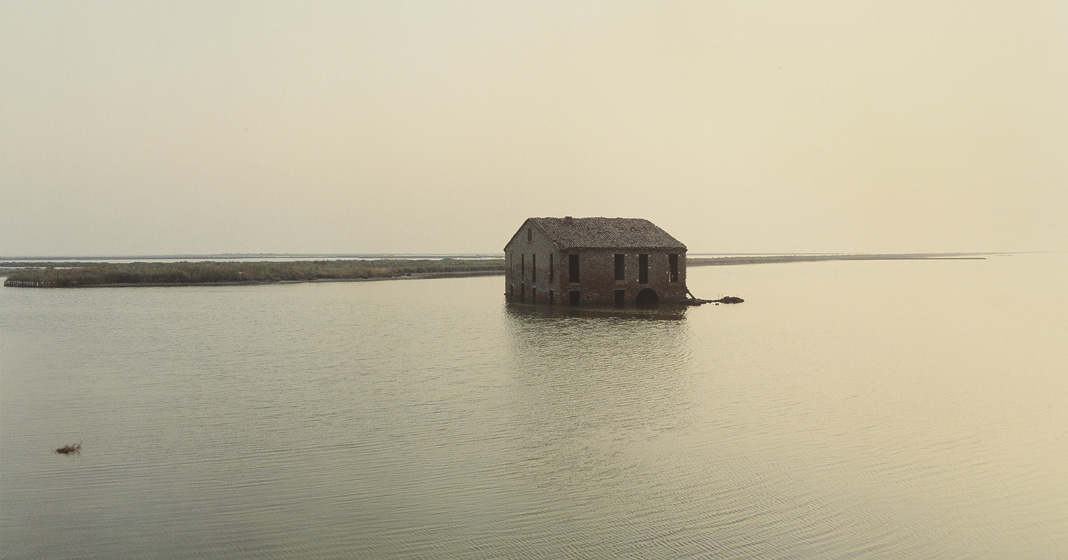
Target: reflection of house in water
point(666, 313)
point(588, 374)
point(621, 261)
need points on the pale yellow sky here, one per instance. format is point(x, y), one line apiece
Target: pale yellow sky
point(318, 127)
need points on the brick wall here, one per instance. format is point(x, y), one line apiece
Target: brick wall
point(527, 275)
point(598, 284)
point(528, 265)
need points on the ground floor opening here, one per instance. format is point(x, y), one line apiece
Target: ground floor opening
point(647, 298)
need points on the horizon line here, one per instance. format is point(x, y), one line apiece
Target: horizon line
point(204, 256)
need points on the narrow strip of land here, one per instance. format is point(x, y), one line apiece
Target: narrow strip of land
point(76, 275)
point(96, 274)
point(770, 259)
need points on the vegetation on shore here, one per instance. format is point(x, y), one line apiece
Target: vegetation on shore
point(227, 272)
point(84, 274)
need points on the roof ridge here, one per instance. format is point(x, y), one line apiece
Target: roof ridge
point(605, 233)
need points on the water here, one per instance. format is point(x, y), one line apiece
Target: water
point(900, 409)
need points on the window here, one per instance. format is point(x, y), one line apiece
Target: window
point(573, 268)
point(522, 266)
point(533, 268)
point(574, 297)
point(620, 268)
point(643, 269)
point(673, 262)
point(530, 236)
point(621, 298)
point(550, 270)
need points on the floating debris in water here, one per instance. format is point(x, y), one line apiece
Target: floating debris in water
point(68, 449)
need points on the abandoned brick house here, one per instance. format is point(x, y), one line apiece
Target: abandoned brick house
point(620, 261)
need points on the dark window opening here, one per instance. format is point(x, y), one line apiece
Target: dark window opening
point(551, 297)
point(574, 297)
point(550, 267)
point(647, 298)
point(621, 298)
point(533, 294)
point(620, 267)
point(673, 262)
point(533, 268)
point(522, 266)
point(643, 269)
point(530, 235)
point(573, 268)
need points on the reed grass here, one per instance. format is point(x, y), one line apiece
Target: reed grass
point(227, 272)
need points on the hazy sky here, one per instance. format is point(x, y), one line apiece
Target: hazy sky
point(394, 126)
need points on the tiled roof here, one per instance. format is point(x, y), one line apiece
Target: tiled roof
point(606, 233)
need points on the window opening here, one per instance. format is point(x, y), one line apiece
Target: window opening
point(673, 262)
point(643, 269)
point(620, 268)
point(573, 268)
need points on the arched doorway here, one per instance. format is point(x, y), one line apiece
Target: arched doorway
point(647, 298)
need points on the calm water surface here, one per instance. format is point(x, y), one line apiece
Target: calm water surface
point(901, 409)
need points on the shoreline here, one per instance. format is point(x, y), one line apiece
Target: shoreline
point(777, 259)
point(46, 275)
point(412, 276)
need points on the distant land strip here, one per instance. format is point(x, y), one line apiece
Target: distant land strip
point(21, 274)
point(77, 275)
point(769, 259)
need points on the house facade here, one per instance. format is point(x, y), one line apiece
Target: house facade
point(595, 261)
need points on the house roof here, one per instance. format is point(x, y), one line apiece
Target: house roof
point(606, 233)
